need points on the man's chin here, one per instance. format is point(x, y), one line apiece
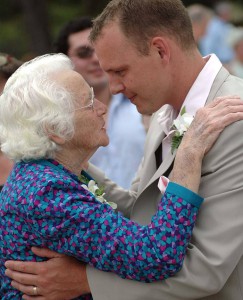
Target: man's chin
point(144, 110)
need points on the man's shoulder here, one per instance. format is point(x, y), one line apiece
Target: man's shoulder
point(232, 85)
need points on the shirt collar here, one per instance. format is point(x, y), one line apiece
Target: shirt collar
point(198, 94)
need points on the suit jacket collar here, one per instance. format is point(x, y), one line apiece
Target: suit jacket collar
point(218, 82)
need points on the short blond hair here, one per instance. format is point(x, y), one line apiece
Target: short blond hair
point(142, 19)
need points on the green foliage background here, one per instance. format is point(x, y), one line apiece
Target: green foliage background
point(15, 37)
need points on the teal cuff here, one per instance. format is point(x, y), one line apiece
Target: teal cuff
point(184, 193)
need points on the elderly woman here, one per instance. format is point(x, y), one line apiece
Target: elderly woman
point(8, 65)
point(50, 125)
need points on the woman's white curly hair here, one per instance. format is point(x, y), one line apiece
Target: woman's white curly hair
point(33, 106)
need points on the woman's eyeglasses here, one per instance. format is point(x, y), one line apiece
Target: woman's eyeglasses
point(91, 104)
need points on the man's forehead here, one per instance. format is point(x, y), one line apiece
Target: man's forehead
point(110, 59)
point(111, 42)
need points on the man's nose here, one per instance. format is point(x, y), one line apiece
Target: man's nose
point(116, 86)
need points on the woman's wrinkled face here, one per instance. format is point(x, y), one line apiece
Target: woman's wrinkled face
point(89, 123)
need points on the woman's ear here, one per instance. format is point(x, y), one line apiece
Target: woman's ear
point(161, 45)
point(57, 139)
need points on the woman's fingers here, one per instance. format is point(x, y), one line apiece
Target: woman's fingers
point(224, 101)
point(220, 113)
point(211, 120)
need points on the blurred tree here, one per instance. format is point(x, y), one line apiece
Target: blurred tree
point(93, 7)
point(36, 21)
point(29, 26)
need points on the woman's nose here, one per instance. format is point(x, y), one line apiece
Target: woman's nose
point(100, 108)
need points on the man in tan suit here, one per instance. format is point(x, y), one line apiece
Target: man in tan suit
point(147, 49)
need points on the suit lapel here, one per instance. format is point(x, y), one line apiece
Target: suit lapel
point(165, 165)
point(149, 164)
point(152, 172)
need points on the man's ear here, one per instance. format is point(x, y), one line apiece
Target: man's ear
point(57, 139)
point(161, 45)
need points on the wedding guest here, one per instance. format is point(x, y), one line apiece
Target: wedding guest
point(8, 65)
point(51, 124)
point(200, 16)
point(218, 30)
point(236, 41)
point(148, 50)
point(121, 158)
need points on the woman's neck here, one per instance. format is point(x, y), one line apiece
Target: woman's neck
point(75, 160)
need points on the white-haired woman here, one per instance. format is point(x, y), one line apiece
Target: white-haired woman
point(50, 125)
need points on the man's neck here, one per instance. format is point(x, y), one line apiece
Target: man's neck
point(192, 66)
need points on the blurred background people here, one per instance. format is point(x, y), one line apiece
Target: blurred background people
point(8, 65)
point(236, 42)
point(218, 30)
point(200, 16)
point(119, 160)
point(211, 30)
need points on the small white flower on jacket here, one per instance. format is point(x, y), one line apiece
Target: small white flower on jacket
point(182, 123)
point(179, 127)
point(98, 193)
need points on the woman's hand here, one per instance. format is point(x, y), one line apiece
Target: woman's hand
point(206, 127)
point(210, 121)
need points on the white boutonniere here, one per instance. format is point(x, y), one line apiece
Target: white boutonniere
point(179, 127)
point(92, 187)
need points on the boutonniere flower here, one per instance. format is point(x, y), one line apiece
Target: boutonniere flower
point(92, 187)
point(179, 127)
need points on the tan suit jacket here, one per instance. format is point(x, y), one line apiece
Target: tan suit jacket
point(213, 267)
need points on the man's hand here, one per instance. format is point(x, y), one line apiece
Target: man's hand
point(59, 278)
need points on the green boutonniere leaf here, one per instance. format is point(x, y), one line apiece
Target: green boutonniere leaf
point(83, 179)
point(175, 142)
point(183, 111)
point(100, 191)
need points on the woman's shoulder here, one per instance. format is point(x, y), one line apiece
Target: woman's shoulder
point(42, 168)
point(41, 175)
